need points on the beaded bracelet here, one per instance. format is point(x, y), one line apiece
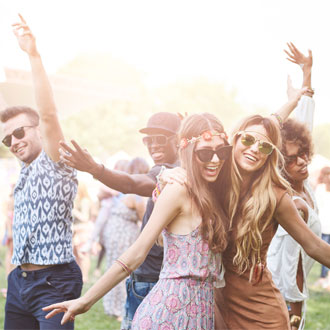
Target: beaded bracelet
point(124, 267)
point(156, 192)
point(279, 119)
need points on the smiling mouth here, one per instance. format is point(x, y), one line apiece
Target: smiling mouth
point(250, 157)
point(18, 150)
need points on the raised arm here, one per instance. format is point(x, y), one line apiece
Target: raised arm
point(294, 96)
point(288, 217)
point(51, 131)
point(304, 112)
point(76, 157)
point(166, 209)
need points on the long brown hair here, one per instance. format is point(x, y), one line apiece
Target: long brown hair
point(202, 193)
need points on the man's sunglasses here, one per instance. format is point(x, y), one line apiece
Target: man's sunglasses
point(158, 139)
point(290, 160)
point(206, 155)
point(18, 133)
point(263, 146)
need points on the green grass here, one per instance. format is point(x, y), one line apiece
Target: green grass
point(318, 307)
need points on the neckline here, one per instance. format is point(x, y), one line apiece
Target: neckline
point(182, 235)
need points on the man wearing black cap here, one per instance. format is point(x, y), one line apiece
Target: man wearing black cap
point(161, 141)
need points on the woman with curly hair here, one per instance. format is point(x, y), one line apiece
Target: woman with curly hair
point(287, 261)
point(194, 234)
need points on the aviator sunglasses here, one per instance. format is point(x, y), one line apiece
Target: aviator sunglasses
point(159, 139)
point(206, 155)
point(248, 140)
point(18, 133)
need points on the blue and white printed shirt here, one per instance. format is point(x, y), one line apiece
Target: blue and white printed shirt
point(42, 226)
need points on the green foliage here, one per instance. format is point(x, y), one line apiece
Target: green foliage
point(4, 152)
point(114, 126)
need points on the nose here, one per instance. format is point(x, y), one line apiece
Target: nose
point(255, 146)
point(215, 158)
point(301, 159)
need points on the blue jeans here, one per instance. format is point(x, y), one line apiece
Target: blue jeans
point(136, 292)
point(325, 270)
point(29, 291)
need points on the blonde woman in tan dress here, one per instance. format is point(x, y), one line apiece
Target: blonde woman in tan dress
point(258, 200)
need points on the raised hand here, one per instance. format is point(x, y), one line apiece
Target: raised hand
point(25, 38)
point(294, 94)
point(77, 157)
point(295, 56)
point(70, 308)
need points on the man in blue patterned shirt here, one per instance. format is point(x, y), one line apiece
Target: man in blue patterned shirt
point(42, 228)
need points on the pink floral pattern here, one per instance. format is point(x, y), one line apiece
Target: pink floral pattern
point(183, 296)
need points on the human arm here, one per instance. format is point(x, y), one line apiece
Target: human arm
point(294, 96)
point(165, 210)
point(51, 131)
point(80, 159)
point(288, 217)
point(304, 111)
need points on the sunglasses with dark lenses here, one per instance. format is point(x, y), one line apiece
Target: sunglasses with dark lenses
point(18, 133)
point(158, 139)
point(290, 160)
point(206, 155)
point(263, 146)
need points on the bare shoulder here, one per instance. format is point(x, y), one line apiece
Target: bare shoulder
point(176, 190)
point(279, 193)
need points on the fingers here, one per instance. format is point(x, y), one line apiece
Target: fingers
point(67, 148)
point(68, 316)
point(54, 312)
point(77, 146)
point(22, 18)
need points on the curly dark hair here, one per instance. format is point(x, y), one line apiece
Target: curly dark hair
point(294, 131)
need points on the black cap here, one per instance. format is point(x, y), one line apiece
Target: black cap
point(165, 122)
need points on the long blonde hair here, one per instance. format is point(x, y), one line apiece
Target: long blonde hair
point(203, 194)
point(254, 211)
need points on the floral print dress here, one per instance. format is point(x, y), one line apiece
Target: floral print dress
point(183, 296)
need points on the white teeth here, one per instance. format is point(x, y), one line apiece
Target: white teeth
point(251, 158)
point(212, 167)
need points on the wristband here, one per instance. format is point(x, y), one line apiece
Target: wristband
point(279, 119)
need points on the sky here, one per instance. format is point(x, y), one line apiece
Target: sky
point(238, 42)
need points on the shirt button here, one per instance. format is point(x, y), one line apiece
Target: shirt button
point(24, 274)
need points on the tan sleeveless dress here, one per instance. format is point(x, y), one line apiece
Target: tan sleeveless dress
point(240, 305)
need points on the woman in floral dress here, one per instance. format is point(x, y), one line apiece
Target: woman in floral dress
point(194, 235)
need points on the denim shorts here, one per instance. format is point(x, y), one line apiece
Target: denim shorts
point(29, 291)
point(136, 292)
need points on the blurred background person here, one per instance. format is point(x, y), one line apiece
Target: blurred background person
point(121, 230)
point(82, 227)
point(322, 193)
point(106, 198)
point(8, 235)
